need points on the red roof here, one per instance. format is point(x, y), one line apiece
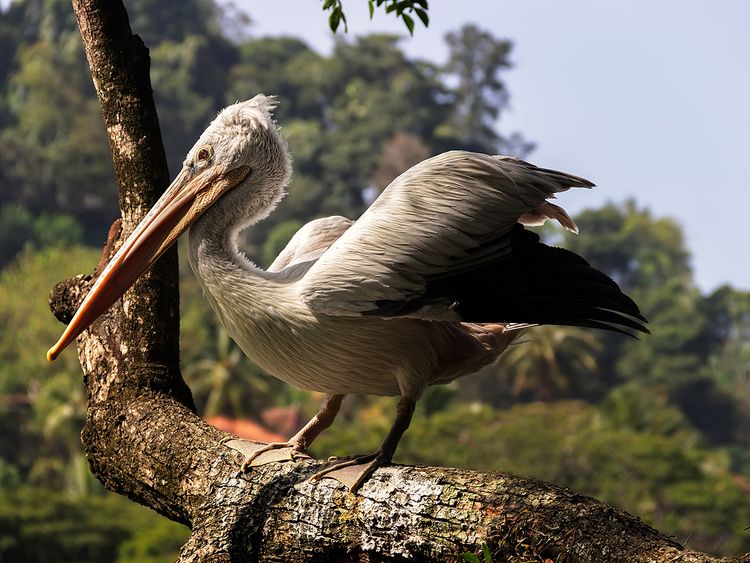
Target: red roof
point(245, 429)
point(284, 420)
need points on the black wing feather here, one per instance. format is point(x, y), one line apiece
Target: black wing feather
point(533, 283)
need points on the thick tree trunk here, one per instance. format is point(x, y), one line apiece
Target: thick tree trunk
point(144, 440)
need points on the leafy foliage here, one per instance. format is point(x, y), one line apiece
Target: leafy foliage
point(555, 362)
point(43, 525)
point(472, 558)
point(475, 59)
point(43, 404)
point(56, 161)
point(18, 228)
point(404, 9)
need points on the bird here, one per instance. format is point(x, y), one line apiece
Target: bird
point(431, 283)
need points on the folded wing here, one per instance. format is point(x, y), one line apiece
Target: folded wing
point(311, 241)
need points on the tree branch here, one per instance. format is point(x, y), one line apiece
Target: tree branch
point(144, 440)
point(119, 63)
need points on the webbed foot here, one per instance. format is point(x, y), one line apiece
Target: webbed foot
point(353, 471)
point(258, 453)
point(273, 453)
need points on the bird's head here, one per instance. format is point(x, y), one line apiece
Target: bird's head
point(243, 143)
point(240, 160)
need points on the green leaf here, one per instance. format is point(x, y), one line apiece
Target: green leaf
point(343, 19)
point(371, 7)
point(409, 21)
point(486, 553)
point(470, 557)
point(423, 16)
point(334, 19)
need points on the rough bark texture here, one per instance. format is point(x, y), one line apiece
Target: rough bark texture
point(142, 329)
point(144, 440)
point(119, 63)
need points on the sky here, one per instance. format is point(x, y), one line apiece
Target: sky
point(650, 99)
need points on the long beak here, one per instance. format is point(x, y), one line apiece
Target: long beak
point(189, 195)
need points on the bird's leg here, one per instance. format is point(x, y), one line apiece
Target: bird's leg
point(298, 444)
point(354, 471)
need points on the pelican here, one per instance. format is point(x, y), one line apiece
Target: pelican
point(431, 283)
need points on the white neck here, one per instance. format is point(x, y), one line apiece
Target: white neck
point(213, 248)
point(234, 286)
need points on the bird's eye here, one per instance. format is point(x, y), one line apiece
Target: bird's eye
point(203, 155)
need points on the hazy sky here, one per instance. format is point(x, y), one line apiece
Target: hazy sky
point(647, 98)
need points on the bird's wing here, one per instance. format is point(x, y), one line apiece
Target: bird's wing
point(310, 242)
point(443, 242)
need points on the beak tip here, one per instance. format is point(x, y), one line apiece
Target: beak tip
point(51, 355)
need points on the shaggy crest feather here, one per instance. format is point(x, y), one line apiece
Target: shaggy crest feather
point(258, 110)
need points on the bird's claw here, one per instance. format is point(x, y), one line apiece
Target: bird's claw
point(225, 440)
point(274, 452)
point(352, 471)
point(256, 453)
point(338, 458)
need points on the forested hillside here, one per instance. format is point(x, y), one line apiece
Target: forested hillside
point(656, 426)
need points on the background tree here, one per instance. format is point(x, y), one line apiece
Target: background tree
point(555, 362)
point(476, 60)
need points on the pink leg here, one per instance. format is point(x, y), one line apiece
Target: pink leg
point(354, 471)
point(299, 443)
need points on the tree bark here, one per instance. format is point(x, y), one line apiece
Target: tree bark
point(143, 439)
